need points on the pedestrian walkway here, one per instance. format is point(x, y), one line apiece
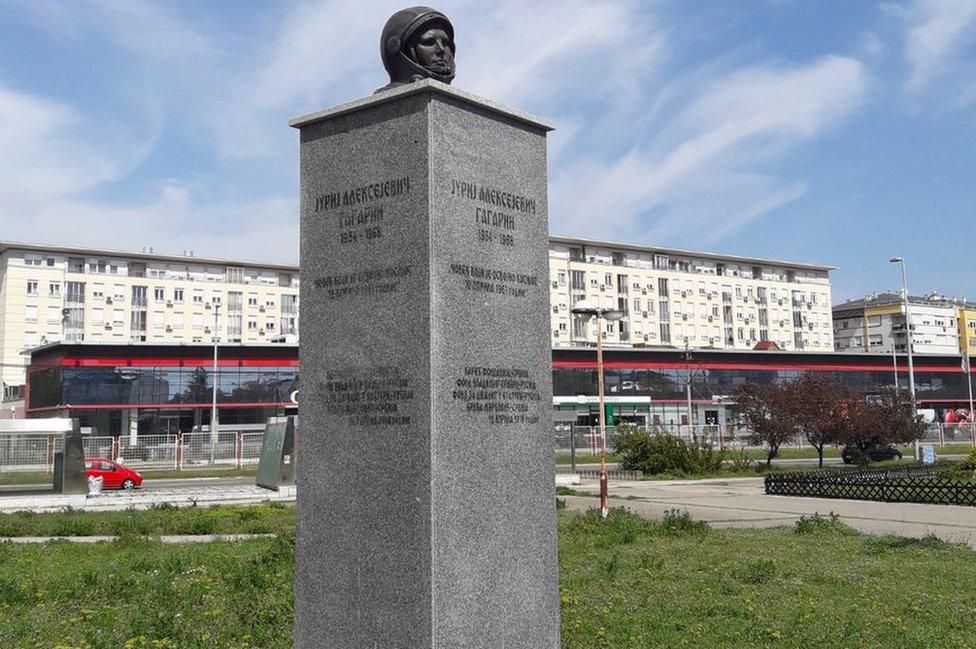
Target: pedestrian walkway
point(204, 495)
point(742, 502)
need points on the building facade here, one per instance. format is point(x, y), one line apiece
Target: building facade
point(148, 389)
point(877, 324)
point(55, 293)
point(671, 299)
point(679, 298)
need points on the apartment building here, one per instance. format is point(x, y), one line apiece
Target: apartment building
point(678, 298)
point(877, 324)
point(57, 293)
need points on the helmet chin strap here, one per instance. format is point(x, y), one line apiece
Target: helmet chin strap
point(420, 72)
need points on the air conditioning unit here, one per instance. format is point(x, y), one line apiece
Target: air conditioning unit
point(108, 325)
point(169, 328)
point(643, 314)
point(169, 302)
point(207, 305)
point(206, 330)
point(555, 309)
point(603, 287)
point(711, 319)
point(108, 300)
point(555, 284)
point(644, 291)
point(260, 332)
point(261, 309)
point(684, 317)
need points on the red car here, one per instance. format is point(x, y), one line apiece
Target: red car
point(113, 474)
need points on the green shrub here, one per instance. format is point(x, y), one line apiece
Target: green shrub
point(817, 523)
point(660, 453)
point(678, 522)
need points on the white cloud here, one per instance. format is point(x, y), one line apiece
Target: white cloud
point(937, 34)
point(141, 27)
point(547, 54)
point(708, 166)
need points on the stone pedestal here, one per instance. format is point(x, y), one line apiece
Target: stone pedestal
point(426, 513)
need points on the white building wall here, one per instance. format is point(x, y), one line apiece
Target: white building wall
point(177, 306)
point(698, 306)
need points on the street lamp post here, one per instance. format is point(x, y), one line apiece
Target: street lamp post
point(213, 402)
point(591, 309)
point(908, 333)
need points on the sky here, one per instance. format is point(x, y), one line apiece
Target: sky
point(838, 132)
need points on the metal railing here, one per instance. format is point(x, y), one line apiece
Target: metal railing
point(174, 452)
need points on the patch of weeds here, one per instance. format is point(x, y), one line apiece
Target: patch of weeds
point(739, 461)
point(560, 503)
point(569, 491)
point(757, 572)
point(677, 522)
point(880, 545)
point(818, 524)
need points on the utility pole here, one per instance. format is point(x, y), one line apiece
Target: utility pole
point(213, 404)
point(691, 421)
point(910, 336)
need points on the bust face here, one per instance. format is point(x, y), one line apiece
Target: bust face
point(433, 51)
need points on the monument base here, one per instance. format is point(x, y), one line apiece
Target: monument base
point(426, 513)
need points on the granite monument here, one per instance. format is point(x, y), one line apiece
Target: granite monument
point(426, 513)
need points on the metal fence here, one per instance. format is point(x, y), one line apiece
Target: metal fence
point(908, 484)
point(177, 452)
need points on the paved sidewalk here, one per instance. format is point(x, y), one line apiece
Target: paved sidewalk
point(741, 502)
point(204, 496)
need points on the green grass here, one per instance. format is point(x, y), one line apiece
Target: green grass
point(255, 519)
point(624, 583)
point(41, 478)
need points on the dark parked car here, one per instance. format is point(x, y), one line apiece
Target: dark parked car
point(876, 453)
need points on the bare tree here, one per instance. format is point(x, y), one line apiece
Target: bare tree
point(767, 412)
point(818, 405)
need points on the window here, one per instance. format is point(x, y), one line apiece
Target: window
point(118, 318)
point(159, 320)
point(662, 286)
point(252, 325)
point(252, 299)
point(235, 275)
point(661, 263)
point(32, 290)
point(76, 265)
point(198, 321)
point(32, 260)
point(119, 295)
point(75, 293)
point(136, 269)
point(178, 320)
point(49, 262)
point(561, 277)
point(159, 293)
point(197, 296)
point(138, 296)
point(98, 291)
point(138, 321)
point(637, 304)
point(98, 317)
point(178, 295)
point(30, 314)
point(54, 289)
point(234, 324)
point(54, 315)
point(269, 325)
point(235, 302)
point(269, 302)
point(577, 279)
point(288, 304)
point(665, 332)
